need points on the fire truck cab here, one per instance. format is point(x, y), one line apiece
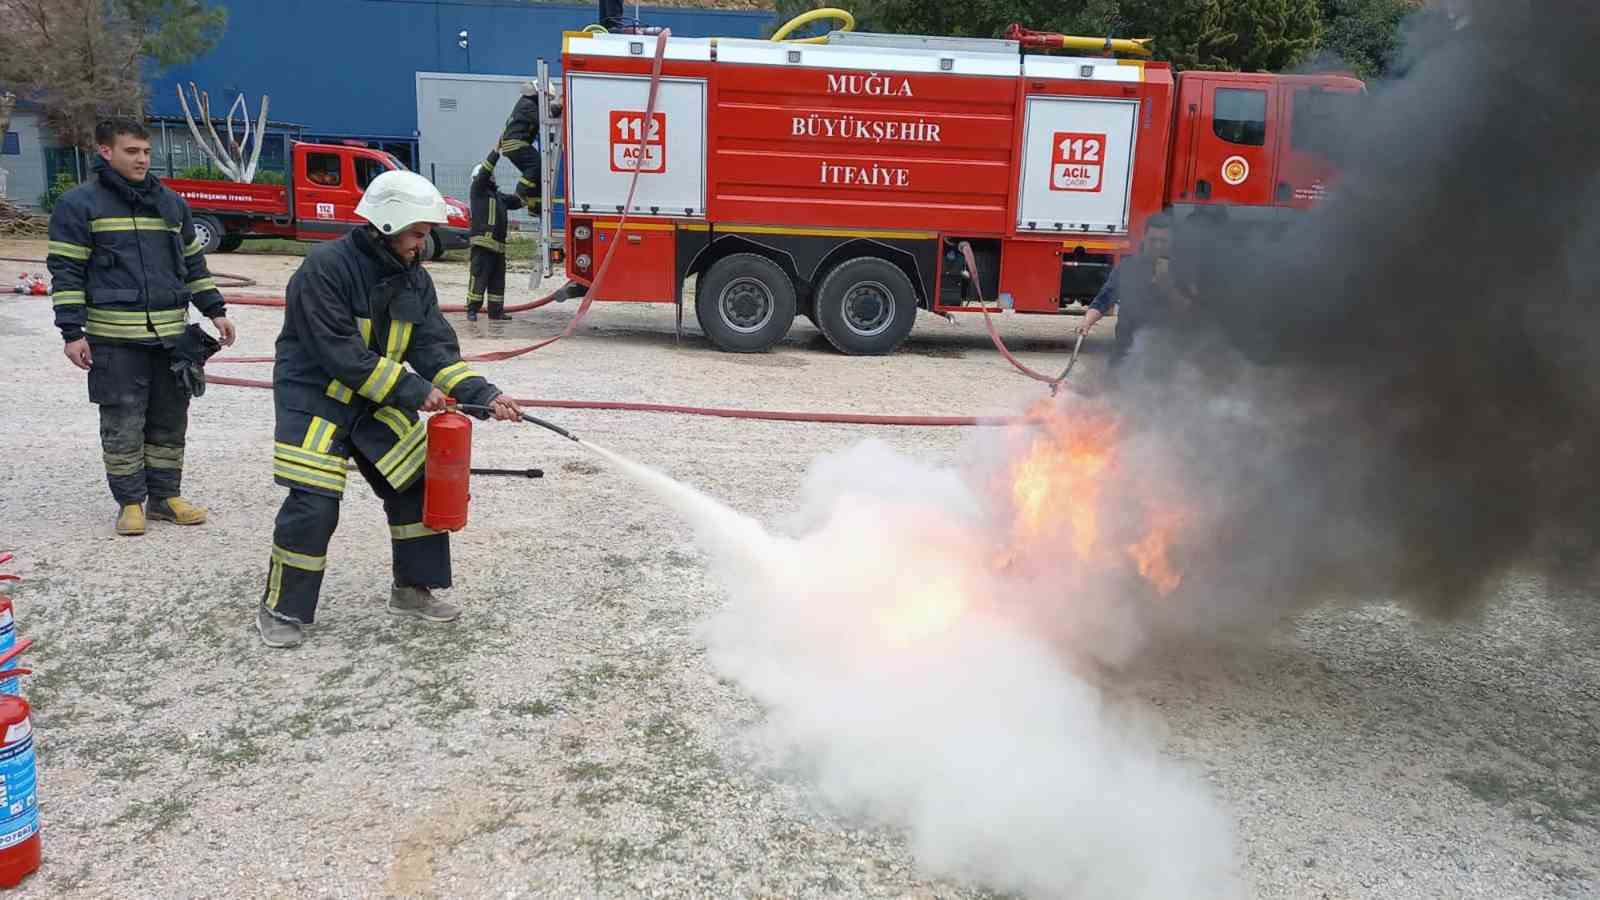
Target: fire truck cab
point(837, 180)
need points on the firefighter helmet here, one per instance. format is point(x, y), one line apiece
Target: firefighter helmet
point(398, 198)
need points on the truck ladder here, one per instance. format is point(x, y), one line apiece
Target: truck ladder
point(549, 160)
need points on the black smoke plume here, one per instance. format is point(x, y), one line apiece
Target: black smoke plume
point(1399, 395)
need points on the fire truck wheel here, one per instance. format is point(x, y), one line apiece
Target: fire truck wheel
point(745, 303)
point(209, 232)
point(866, 306)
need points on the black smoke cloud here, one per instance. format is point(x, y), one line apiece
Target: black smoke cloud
point(1399, 395)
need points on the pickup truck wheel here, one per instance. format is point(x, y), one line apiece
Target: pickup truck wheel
point(745, 303)
point(866, 306)
point(230, 243)
point(209, 232)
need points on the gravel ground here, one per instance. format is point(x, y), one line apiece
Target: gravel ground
point(568, 738)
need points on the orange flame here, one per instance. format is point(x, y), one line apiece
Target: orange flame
point(1155, 566)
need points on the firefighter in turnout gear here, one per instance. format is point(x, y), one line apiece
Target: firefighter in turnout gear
point(126, 264)
point(519, 142)
point(486, 278)
point(359, 310)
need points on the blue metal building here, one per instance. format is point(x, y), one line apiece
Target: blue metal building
point(345, 69)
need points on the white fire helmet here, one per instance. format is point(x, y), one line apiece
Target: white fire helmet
point(399, 198)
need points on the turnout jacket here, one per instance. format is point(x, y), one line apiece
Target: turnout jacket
point(490, 210)
point(125, 262)
point(355, 317)
point(522, 126)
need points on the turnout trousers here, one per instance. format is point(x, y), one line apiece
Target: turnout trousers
point(305, 524)
point(526, 159)
point(486, 278)
point(144, 415)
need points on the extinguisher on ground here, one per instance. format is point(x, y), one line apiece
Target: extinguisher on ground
point(19, 809)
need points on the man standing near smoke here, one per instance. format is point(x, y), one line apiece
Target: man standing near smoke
point(1145, 290)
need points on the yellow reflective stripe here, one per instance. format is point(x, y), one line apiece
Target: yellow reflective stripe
point(67, 298)
point(385, 375)
point(366, 330)
point(201, 285)
point(312, 477)
point(410, 467)
point(399, 339)
point(159, 457)
point(70, 251)
point(126, 463)
point(303, 561)
point(508, 146)
point(136, 316)
point(100, 329)
point(274, 583)
point(411, 532)
point(300, 456)
point(319, 435)
point(194, 247)
point(395, 419)
point(412, 441)
point(339, 392)
point(138, 223)
point(448, 377)
point(492, 208)
point(474, 297)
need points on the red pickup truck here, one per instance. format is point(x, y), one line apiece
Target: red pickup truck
point(317, 202)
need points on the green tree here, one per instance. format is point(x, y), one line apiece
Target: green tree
point(82, 59)
point(1364, 34)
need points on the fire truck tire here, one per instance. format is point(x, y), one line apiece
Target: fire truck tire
point(866, 306)
point(230, 243)
point(745, 303)
point(210, 232)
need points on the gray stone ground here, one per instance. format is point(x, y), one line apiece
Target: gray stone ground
point(567, 738)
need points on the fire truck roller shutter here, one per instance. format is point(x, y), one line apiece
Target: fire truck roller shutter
point(745, 302)
point(866, 306)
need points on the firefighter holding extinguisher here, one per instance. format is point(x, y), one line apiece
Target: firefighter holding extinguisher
point(359, 311)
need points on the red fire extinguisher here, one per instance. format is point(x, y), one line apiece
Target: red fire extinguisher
point(19, 809)
point(448, 470)
point(8, 632)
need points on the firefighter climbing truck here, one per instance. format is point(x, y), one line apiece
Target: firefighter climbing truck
point(836, 180)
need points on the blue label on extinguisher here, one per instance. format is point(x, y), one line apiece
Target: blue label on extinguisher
point(18, 804)
point(8, 639)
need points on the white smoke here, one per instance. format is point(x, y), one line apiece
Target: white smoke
point(899, 669)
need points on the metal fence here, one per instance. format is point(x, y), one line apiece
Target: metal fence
point(456, 181)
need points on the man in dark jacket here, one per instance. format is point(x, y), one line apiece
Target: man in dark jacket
point(486, 272)
point(359, 310)
point(126, 264)
point(519, 142)
point(1146, 292)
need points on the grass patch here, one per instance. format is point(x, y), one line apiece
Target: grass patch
point(533, 709)
point(1541, 802)
point(156, 815)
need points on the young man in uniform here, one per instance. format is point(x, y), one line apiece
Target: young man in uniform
point(126, 264)
point(360, 309)
point(486, 273)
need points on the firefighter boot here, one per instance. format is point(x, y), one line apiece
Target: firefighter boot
point(177, 509)
point(498, 311)
point(472, 312)
point(131, 520)
point(276, 632)
point(420, 603)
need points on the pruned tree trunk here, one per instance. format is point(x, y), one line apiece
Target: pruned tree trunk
point(227, 155)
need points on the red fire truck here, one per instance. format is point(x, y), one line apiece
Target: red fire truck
point(836, 180)
point(317, 202)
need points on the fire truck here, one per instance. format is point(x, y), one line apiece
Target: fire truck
point(836, 180)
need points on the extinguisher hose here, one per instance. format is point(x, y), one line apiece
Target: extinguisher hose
point(526, 417)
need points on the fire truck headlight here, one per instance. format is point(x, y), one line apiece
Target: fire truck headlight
point(581, 232)
point(583, 262)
